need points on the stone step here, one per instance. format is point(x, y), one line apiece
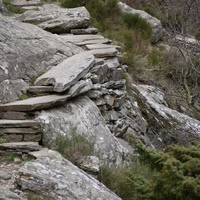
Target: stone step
point(68, 72)
point(38, 90)
point(16, 115)
point(102, 46)
point(18, 130)
point(24, 147)
point(84, 31)
point(104, 53)
point(18, 123)
point(96, 41)
point(36, 103)
point(82, 40)
point(22, 3)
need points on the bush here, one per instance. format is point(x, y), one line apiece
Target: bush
point(74, 147)
point(134, 21)
point(172, 175)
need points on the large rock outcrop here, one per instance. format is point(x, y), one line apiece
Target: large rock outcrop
point(158, 30)
point(25, 52)
point(54, 19)
point(54, 178)
point(83, 115)
point(165, 125)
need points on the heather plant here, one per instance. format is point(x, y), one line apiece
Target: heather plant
point(74, 146)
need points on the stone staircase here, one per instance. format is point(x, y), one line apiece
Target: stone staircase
point(81, 73)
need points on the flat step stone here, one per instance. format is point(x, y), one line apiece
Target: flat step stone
point(40, 89)
point(104, 53)
point(97, 41)
point(84, 31)
point(16, 115)
point(102, 46)
point(80, 38)
point(67, 73)
point(36, 103)
point(22, 3)
point(20, 146)
point(18, 123)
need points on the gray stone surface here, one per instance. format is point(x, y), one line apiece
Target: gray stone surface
point(83, 114)
point(102, 46)
point(56, 178)
point(24, 54)
point(172, 126)
point(20, 146)
point(68, 72)
point(80, 87)
point(14, 115)
point(55, 19)
point(158, 30)
point(18, 123)
point(104, 53)
point(84, 31)
point(95, 41)
point(22, 3)
point(35, 103)
point(40, 89)
point(6, 194)
point(81, 38)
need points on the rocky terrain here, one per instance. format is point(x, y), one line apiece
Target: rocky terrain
point(57, 74)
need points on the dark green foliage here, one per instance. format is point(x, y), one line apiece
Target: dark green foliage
point(178, 171)
point(134, 21)
point(173, 175)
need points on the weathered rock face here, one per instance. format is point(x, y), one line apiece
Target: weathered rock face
point(24, 54)
point(54, 19)
point(56, 178)
point(158, 30)
point(83, 115)
point(165, 126)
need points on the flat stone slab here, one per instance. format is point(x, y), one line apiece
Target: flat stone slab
point(22, 3)
point(18, 123)
point(80, 38)
point(36, 103)
point(96, 41)
point(20, 146)
point(40, 89)
point(15, 115)
point(102, 46)
point(103, 53)
point(55, 19)
point(67, 73)
point(84, 31)
point(30, 130)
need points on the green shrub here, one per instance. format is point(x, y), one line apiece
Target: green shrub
point(33, 196)
point(11, 8)
point(74, 147)
point(134, 21)
point(9, 156)
point(157, 175)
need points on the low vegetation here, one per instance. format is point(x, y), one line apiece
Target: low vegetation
point(157, 175)
point(74, 146)
point(11, 8)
